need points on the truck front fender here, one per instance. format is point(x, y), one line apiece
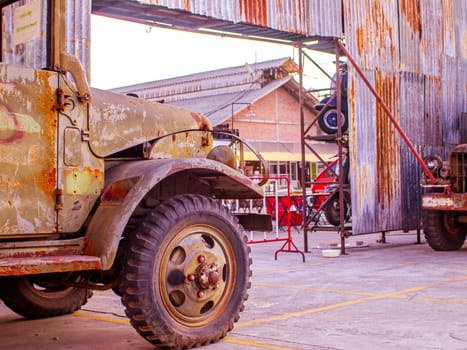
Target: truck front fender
point(127, 184)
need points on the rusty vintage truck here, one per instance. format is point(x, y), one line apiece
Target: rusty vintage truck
point(104, 191)
point(444, 204)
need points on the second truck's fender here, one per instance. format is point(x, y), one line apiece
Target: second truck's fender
point(127, 184)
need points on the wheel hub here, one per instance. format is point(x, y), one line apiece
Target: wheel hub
point(206, 275)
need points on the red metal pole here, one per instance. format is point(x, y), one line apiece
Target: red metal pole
point(389, 114)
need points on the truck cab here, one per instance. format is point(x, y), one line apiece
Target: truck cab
point(106, 191)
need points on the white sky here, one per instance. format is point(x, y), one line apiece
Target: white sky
point(125, 53)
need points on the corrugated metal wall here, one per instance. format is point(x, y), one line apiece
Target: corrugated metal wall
point(414, 52)
point(33, 53)
point(310, 17)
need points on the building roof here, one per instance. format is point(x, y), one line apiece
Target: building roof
point(220, 93)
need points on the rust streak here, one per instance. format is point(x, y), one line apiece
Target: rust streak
point(411, 10)
point(254, 11)
point(386, 140)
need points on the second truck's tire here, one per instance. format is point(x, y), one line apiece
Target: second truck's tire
point(37, 297)
point(442, 231)
point(186, 274)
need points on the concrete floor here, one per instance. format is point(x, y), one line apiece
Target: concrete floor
point(397, 295)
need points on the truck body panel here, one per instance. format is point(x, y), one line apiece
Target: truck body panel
point(28, 151)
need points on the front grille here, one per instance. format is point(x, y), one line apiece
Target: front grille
point(459, 172)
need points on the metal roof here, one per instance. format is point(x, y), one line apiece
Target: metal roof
point(300, 21)
point(222, 92)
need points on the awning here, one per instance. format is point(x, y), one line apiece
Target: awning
point(286, 156)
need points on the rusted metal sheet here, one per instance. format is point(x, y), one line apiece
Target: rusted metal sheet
point(28, 151)
point(411, 117)
point(413, 53)
point(375, 157)
point(78, 38)
point(49, 264)
point(28, 47)
point(372, 33)
point(388, 153)
point(137, 121)
point(440, 201)
point(410, 32)
point(363, 173)
point(307, 17)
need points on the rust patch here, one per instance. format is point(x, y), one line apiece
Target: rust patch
point(200, 120)
point(376, 32)
point(411, 11)
point(386, 141)
point(116, 192)
point(254, 11)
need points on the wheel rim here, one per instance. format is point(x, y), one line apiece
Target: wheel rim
point(451, 224)
point(330, 119)
point(196, 275)
point(49, 288)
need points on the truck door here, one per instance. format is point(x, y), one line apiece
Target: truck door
point(28, 151)
point(28, 123)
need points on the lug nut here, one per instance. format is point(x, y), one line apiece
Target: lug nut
point(200, 294)
point(201, 259)
point(191, 278)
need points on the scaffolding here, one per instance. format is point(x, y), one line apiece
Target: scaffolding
point(343, 187)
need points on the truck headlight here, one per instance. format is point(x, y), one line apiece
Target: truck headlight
point(223, 154)
point(434, 163)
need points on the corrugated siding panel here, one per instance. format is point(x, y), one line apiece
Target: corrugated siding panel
point(412, 116)
point(460, 22)
point(410, 35)
point(325, 17)
point(448, 100)
point(433, 142)
point(79, 33)
point(376, 177)
point(432, 37)
point(363, 173)
point(388, 154)
point(372, 33)
point(426, 47)
point(309, 17)
point(33, 53)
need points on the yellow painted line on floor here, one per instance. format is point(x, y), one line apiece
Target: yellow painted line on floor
point(256, 344)
point(395, 294)
point(434, 300)
point(101, 318)
point(305, 312)
point(312, 289)
point(238, 341)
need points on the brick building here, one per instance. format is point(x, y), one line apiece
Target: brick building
point(259, 100)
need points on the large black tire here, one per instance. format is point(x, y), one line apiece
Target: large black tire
point(442, 230)
point(332, 211)
point(327, 121)
point(40, 296)
point(186, 274)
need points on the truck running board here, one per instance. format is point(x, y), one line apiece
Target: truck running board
point(48, 264)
